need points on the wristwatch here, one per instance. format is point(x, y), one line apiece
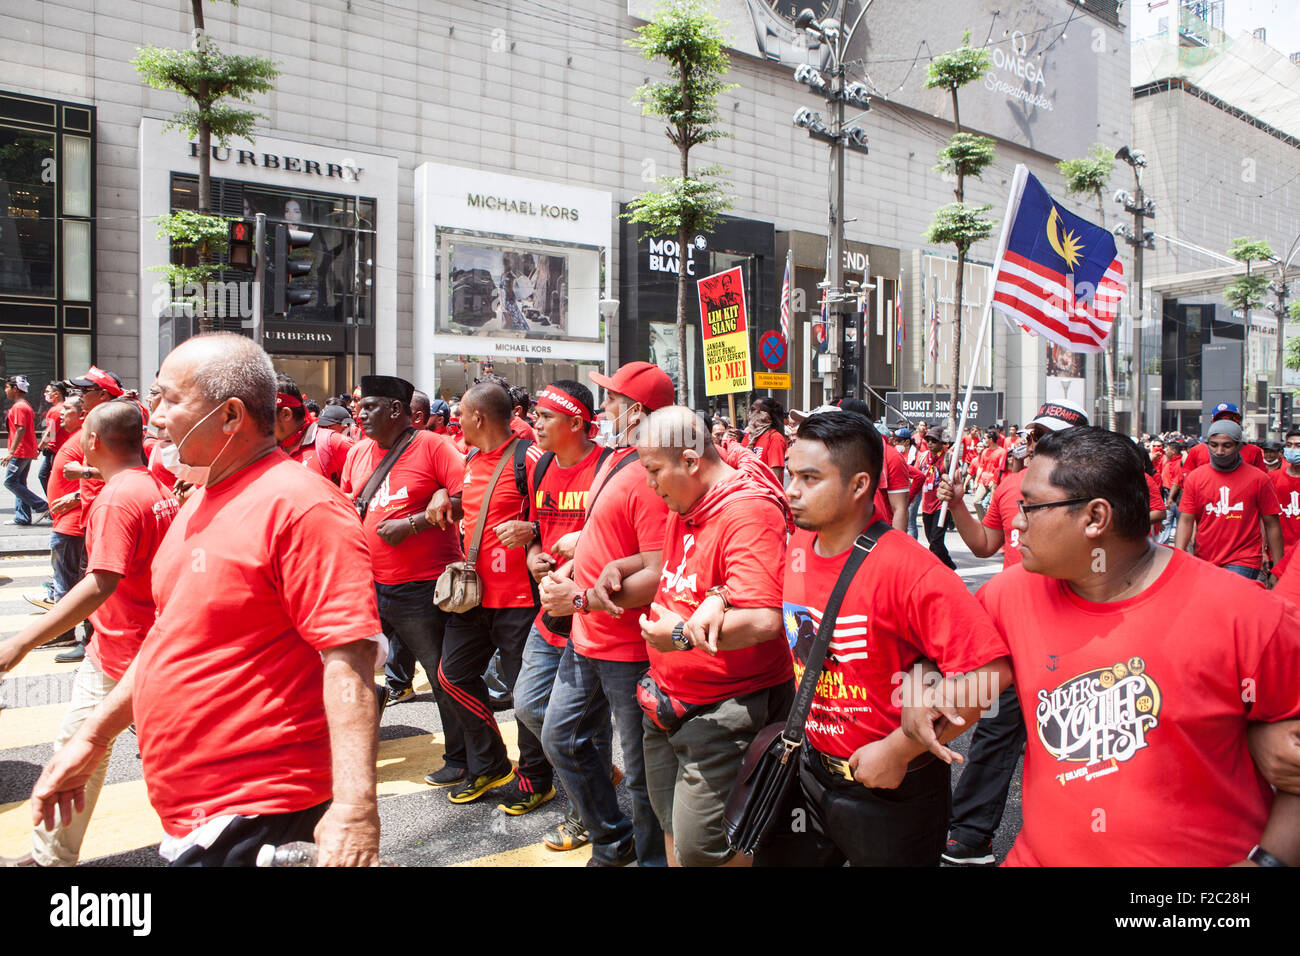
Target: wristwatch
point(1261, 857)
point(680, 640)
point(580, 603)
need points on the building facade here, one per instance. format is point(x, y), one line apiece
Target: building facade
point(389, 118)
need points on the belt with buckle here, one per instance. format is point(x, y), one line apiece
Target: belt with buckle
point(837, 766)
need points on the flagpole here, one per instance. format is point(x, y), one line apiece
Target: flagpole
point(1013, 203)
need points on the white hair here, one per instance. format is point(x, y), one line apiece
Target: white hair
point(236, 367)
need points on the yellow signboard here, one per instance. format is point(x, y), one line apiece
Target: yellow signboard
point(726, 333)
point(779, 381)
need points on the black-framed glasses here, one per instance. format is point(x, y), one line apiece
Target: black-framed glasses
point(1026, 509)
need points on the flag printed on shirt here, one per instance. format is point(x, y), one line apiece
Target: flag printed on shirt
point(848, 644)
point(1059, 275)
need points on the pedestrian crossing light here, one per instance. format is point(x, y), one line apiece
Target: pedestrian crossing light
point(239, 245)
point(292, 260)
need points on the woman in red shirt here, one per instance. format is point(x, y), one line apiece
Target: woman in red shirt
point(764, 435)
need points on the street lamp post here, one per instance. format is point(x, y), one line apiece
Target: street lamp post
point(1281, 290)
point(1140, 238)
point(836, 42)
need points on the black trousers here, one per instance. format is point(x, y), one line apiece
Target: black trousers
point(468, 644)
point(828, 821)
point(934, 536)
point(244, 836)
point(980, 796)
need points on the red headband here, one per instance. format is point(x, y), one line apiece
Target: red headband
point(554, 400)
point(287, 401)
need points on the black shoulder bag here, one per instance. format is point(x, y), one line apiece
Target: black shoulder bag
point(362, 501)
point(768, 771)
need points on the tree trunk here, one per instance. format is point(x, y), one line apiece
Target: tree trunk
point(683, 238)
point(196, 7)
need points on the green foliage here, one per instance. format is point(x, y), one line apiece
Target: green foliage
point(1246, 292)
point(188, 229)
point(966, 155)
point(1293, 353)
point(960, 225)
point(695, 203)
point(1293, 310)
point(690, 41)
point(957, 68)
point(1089, 175)
point(1249, 250)
point(206, 76)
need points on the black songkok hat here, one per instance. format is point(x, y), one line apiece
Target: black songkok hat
point(387, 386)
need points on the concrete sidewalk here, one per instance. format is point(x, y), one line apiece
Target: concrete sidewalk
point(19, 540)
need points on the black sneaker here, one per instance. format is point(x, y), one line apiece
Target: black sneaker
point(448, 776)
point(626, 857)
point(959, 854)
point(396, 696)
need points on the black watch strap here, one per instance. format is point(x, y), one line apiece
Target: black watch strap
point(1261, 857)
point(679, 636)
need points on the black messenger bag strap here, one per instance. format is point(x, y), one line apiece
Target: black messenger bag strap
point(608, 478)
point(385, 466)
point(862, 546)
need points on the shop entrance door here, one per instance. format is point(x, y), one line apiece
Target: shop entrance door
point(315, 375)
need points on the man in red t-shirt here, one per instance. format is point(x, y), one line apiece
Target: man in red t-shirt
point(67, 538)
point(97, 387)
point(865, 799)
point(1199, 454)
point(55, 434)
point(765, 434)
point(320, 449)
point(609, 584)
point(1226, 503)
point(1286, 482)
point(505, 616)
point(126, 526)
point(557, 502)
point(1133, 674)
point(252, 695)
point(980, 796)
point(936, 466)
point(724, 549)
point(28, 505)
point(411, 540)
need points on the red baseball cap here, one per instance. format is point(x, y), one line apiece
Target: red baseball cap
point(642, 382)
point(98, 378)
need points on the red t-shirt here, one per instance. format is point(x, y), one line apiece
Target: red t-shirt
point(325, 455)
point(1226, 507)
point(428, 463)
point(503, 571)
point(54, 425)
point(1288, 496)
point(522, 429)
point(1004, 507)
point(1199, 455)
point(740, 544)
point(20, 415)
point(1171, 475)
point(902, 605)
point(123, 532)
point(1155, 500)
point(559, 507)
point(70, 522)
point(1137, 715)
point(628, 518)
point(770, 447)
point(934, 470)
point(1288, 585)
point(894, 476)
point(255, 578)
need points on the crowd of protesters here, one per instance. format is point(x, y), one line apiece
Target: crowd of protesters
point(648, 582)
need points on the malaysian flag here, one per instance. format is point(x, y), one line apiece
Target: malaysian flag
point(785, 300)
point(1058, 275)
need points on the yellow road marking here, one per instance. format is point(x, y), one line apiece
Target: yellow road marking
point(535, 855)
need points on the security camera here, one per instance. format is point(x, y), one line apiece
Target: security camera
point(1123, 197)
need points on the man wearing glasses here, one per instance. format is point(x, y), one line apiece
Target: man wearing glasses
point(980, 796)
point(1146, 679)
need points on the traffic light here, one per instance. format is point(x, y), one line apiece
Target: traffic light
point(239, 245)
point(291, 260)
point(1280, 411)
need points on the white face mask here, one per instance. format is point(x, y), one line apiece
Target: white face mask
point(605, 433)
point(194, 474)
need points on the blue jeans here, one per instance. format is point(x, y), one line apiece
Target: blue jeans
point(399, 669)
point(912, 508)
point(1242, 571)
point(586, 694)
point(68, 559)
point(26, 501)
point(533, 691)
point(407, 611)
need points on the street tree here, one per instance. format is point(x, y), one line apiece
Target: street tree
point(689, 41)
point(1247, 292)
point(212, 83)
point(1090, 176)
point(966, 154)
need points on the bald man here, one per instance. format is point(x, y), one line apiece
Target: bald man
point(124, 527)
point(723, 561)
point(265, 623)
